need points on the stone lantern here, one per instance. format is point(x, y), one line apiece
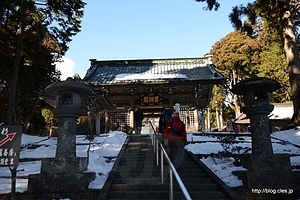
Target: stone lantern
point(65, 171)
point(257, 108)
point(264, 168)
point(68, 98)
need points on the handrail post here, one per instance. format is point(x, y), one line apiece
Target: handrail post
point(171, 184)
point(156, 151)
point(162, 165)
point(156, 144)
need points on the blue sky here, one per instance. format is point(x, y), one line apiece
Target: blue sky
point(137, 29)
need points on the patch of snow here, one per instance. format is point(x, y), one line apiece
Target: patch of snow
point(123, 77)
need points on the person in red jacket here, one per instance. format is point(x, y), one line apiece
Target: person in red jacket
point(176, 140)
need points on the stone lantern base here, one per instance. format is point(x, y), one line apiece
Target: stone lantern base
point(275, 162)
point(59, 182)
point(64, 165)
point(268, 171)
point(61, 174)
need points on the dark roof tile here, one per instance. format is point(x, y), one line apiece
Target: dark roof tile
point(192, 69)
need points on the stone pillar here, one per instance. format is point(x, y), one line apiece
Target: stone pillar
point(230, 126)
point(221, 118)
point(260, 128)
point(66, 140)
point(202, 118)
point(217, 118)
point(196, 119)
point(98, 124)
point(107, 124)
point(208, 119)
point(131, 119)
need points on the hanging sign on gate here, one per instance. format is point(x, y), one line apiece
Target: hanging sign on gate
point(151, 99)
point(10, 141)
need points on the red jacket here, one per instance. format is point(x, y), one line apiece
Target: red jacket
point(169, 136)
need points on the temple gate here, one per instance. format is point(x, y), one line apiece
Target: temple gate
point(154, 84)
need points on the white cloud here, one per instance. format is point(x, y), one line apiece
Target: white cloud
point(66, 68)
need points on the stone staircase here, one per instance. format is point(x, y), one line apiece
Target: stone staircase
point(136, 176)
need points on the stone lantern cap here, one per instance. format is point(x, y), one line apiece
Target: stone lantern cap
point(254, 83)
point(68, 85)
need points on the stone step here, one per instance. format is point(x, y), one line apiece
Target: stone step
point(137, 148)
point(138, 157)
point(136, 161)
point(193, 175)
point(194, 180)
point(138, 176)
point(164, 194)
point(164, 186)
point(139, 180)
point(135, 170)
point(165, 199)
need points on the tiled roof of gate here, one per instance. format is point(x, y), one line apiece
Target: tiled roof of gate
point(191, 69)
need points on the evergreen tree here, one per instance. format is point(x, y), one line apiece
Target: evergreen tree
point(236, 56)
point(272, 65)
point(283, 17)
point(33, 35)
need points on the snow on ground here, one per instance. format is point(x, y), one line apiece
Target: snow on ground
point(105, 148)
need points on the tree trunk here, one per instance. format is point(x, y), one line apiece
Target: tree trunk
point(292, 58)
point(14, 80)
point(28, 118)
point(235, 106)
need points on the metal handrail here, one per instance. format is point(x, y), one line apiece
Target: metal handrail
point(163, 155)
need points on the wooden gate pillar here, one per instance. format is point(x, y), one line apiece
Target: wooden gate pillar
point(131, 120)
point(107, 126)
point(196, 119)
